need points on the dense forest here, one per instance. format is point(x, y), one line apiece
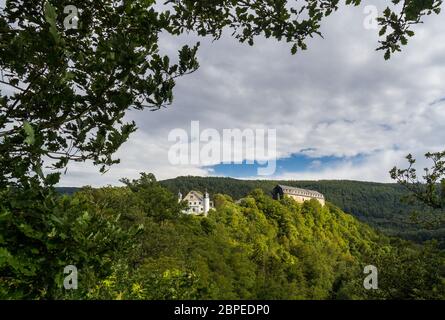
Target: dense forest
point(68, 83)
point(380, 205)
point(133, 242)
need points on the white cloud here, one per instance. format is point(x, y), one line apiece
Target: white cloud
point(372, 168)
point(143, 153)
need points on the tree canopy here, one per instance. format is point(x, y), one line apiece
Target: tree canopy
point(128, 248)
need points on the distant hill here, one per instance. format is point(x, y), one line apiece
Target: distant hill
point(68, 190)
point(378, 204)
point(258, 248)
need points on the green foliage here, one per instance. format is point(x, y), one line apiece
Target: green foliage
point(294, 21)
point(152, 199)
point(431, 190)
point(67, 91)
point(377, 204)
point(42, 233)
point(146, 284)
point(397, 24)
point(259, 248)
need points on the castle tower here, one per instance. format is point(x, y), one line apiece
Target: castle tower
point(179, 196)
point(206, 203)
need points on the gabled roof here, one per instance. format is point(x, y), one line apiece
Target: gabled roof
point(300, 192)
point(197, 194)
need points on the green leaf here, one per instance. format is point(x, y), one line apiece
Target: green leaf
point(38, 170)
point(382, 31)
point(29, 131)
point(52, 178)
point(410, 33)
point(403, 40)
point(50, 13)
point(51, 17)
point(5, 257)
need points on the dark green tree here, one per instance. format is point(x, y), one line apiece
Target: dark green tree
point(153, 199)
point(65, 92)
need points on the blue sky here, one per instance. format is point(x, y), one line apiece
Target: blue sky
point(298, 163)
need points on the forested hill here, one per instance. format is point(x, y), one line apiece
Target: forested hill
point(378, 204)
point(258, 248)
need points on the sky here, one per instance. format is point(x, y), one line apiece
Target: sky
point(340, 110)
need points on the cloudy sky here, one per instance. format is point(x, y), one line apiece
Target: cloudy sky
point(340, 110)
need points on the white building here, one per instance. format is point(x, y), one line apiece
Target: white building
point(298, 194)
point(197, 202)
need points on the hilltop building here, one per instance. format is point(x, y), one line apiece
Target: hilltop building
point(298, 194)
point(197, 202)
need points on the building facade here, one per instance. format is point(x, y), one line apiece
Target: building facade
point(197, 202)
point(298, 194)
